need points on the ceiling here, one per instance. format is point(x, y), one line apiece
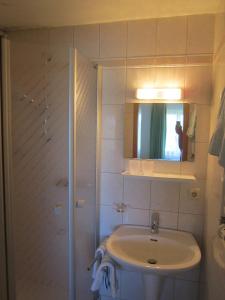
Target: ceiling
point(45, 13)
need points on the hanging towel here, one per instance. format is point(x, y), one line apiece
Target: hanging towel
point(217, 143)
point(192, 124)
point(99, 254)
point(106, 274)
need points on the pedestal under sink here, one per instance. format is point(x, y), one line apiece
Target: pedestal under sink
point(167, 252)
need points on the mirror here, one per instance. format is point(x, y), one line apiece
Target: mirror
point(163, 131)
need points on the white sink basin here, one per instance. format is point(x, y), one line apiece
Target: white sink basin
point(163, 253)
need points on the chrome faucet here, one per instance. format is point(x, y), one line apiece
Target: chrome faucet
point(155, 222)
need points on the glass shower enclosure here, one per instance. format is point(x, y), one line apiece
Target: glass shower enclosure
point(51, 210)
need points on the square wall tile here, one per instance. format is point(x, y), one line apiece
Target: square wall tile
point(113, 37)
point(111, 188)
point(171, 36)
point(186, 290)
point(169, 167)
point(112, 156)
point(201, 156)
point(198, 84)
point(171, 77)
point(165, 196)
point(141, 38)
point(133, 166)
point(187, 168)
point(147, 166)
point(87, 40)
point(132, 291)
point(61, 36)
point(112, 121)
point(200, 34)
point(191, 223)
point(219, 32)
point(113, 86)
point(139, 78)
point(136, 216)
point(109, 220)
point(137, 193)
point(31, 36)
point(202, 126)
point(187, 203)
point(166, 219)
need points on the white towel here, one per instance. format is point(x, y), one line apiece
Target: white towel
point(217, 143)
point(109, 266)
point(99, 254)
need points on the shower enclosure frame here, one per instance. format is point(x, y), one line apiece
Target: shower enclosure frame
point(75, 95)
point(72, 174)
point(6, 242)
point(3, 270)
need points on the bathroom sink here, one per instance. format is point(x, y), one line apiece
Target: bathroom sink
point(163, 253)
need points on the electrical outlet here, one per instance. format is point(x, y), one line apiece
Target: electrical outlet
point(195, 193)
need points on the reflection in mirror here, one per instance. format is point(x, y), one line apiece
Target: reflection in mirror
point(160, 131)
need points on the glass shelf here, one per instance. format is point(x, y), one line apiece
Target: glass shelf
point(161, 176)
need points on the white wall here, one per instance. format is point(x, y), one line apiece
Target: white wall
point(213, 278)
point(186, 66)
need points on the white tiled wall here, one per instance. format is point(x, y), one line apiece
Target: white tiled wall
point(170, 37)
point(213, 280)
point(142, 197)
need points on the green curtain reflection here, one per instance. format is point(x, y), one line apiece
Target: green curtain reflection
point(158, 131)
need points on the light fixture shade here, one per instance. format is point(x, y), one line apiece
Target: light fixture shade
point(159, 94)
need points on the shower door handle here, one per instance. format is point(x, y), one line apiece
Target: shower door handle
point(80, 203)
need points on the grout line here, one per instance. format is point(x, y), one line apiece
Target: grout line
point(152, 210)
point(73, 39)
point(156, 36)
point(112, 139)
point(187, 37)
point(113, 104)
point(126, 40)
point(99, 42)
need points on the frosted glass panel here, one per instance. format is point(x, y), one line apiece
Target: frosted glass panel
point(40, 167)
point(85, 222)
point(40, 142)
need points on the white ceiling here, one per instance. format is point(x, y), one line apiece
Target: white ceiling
point(44, 13)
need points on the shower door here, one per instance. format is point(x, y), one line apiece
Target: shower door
point(40, 203)
point(83, 116)
point(53, 168)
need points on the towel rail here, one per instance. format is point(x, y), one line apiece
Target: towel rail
point(93, 262)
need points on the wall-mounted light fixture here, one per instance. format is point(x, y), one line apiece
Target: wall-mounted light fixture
point(159, 94)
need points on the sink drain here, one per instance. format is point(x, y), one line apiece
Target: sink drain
point(152, 261)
